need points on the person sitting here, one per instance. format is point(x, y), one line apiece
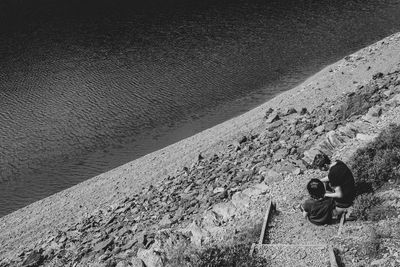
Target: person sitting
point(318, 209)
point(341, 180)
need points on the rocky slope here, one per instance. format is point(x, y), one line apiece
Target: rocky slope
point(216, 194)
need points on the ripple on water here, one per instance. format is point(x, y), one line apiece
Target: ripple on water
point(82, 94)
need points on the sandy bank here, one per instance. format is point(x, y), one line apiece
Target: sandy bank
point(25, 225)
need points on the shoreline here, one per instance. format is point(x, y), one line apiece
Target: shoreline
point(66, 207)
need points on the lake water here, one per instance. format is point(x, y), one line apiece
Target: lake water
point(86, 87)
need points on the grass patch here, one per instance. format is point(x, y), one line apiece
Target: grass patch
point(233, 253)
point(363, 205)
point(378, 162)
point(372, 166)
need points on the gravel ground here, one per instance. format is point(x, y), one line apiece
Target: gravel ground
point(279, 255)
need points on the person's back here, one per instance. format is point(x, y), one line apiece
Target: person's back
point(317, 208)
point(340, 175)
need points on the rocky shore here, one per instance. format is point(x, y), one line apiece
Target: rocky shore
point(208, 188)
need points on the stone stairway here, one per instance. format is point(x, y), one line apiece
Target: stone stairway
point(287, 239)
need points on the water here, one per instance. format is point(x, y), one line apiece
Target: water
point(87, 87)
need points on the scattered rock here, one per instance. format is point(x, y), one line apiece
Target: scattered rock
point(274, 116)
point(225, 210)
point(150, 258)
point(243, 139)
point(34, 259)
point(241, 200)
point(136, 262)
point(103, 245)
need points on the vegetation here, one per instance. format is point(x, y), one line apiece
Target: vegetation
point(363, 205)
point(234, 253)
point(372, 166)
point(379, 161)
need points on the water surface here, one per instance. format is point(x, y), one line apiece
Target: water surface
point(86, 87)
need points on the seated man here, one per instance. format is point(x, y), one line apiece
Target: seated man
point(342, 182)
point(318, 209)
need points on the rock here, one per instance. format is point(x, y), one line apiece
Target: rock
point(150, 258)
point(218, 190)
point(303, 111)
point(330, 126)
point(374, 111)
point(379, 262)
point(310, 154)
point(198, 235)
point(269, 111)
point(34, 259)
point(274, 116)
point(274, 125)
point(291, 111)
point(240, 200)
point(319, 129)
point(297, 171)
point(256, 190)
point(365, 137)
point(271, 176)
point(335, 139)
point(122, 264)
point(280, 154)
point(129, 244)
point(103, 245)
point(377, 75)
point(242, 140)
point(165, 221)
point(136, 262)
point(225, 210)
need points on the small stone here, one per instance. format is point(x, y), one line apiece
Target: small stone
point(240, 200)
point(103, 245)
point(136, 262)
point(320, 129)
point(297, 171)
point(274, 116)
point(218, 190)
point(291, 111)
point(34, 259)
point(150, 258)
point(165, 221)
point(379, 262)
point(122, 264)
point(129, 244)
point(303, 111)
point(225, 210)
point(243, 139)
point(377, 75)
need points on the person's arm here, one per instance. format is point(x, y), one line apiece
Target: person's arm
point(337, 194)
point(305, 213)
point(325, 179)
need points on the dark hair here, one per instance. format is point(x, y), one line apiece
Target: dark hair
point(321, 161)
point(316, 188)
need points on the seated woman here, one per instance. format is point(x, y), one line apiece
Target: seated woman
point(342, 182)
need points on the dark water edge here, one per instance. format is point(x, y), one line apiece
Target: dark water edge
point(88, 87)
